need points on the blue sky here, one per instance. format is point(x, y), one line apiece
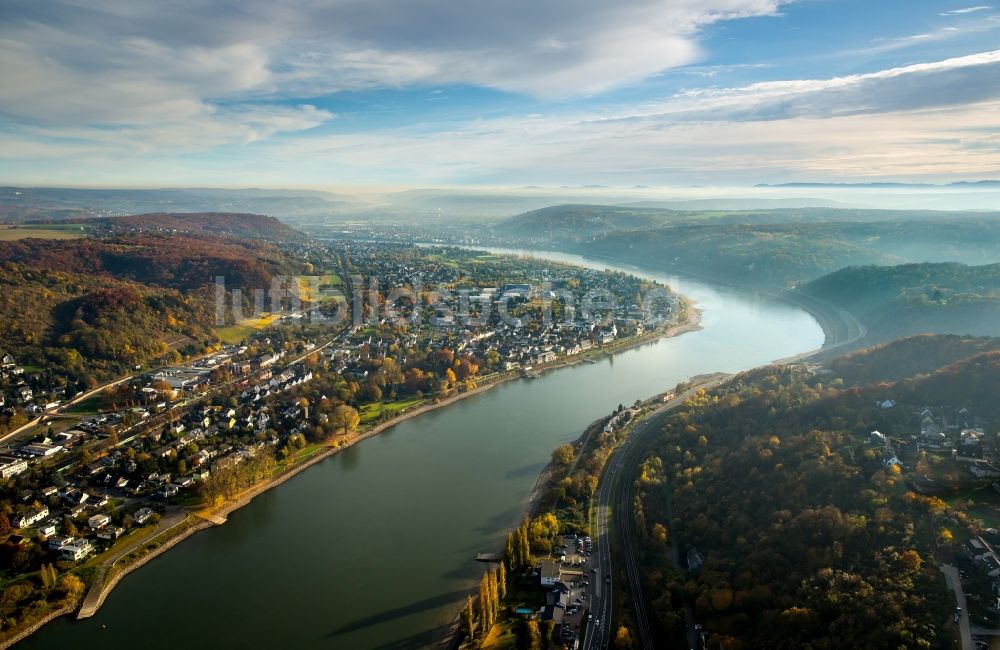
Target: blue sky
point(387, 93)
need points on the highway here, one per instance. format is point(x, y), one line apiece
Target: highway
point(614, 495)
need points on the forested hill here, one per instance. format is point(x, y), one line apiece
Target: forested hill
point(770, 249)
point(97, 307)
point(897, 301)
point(799, 532)
point(913, 356)
point(245, 226)
point(576, 222)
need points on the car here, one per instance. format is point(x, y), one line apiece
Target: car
point(590, 617)
point(594, 570)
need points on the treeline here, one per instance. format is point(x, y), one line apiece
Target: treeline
point(803, 538)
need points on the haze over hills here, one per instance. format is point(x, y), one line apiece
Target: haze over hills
point(908, 299)
point(19, 204)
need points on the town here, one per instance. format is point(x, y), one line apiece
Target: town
point(97, 476)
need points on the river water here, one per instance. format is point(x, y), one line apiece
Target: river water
point(374, 547)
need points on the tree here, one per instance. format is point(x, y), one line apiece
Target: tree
point(563, 455)
point(467, 615)
point(345, 417)
point(527, 635)
point(508, 550)
point(911, 560)
point(623, 639)
point(494, 593)
point(502, 580)
point(71, 585)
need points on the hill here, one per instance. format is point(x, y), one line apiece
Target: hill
point(18, 204)
point(94, 308)
point(775, 248)
point(244, 226)
point(909, 357)
point(767, 512)
point(580, 222)
point(897, 301)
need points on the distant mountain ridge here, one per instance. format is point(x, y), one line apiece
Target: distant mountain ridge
point(245, 226)
point(877, 184)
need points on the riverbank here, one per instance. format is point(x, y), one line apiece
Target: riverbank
point(206, 518)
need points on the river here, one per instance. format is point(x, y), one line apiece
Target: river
point(374, 547)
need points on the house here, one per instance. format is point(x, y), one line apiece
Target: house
point(42, 449)
point(76, 550)
point(110, 533)
point(893, 461)
point(694, 559)
point(142, 516)
point(31, 517)
point(56, 542)
point(47, 530)
point(549, 573)
point(877, 438)
point(98, 521)
point(10, 466)
point(24, 393)
point(7, 361)
point(982, 469)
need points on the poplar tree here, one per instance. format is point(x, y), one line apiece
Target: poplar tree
point(467, 616)
point(502, 581)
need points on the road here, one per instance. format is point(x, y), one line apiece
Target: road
point(955, 584)
point(615, 493)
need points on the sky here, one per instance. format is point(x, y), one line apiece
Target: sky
point(409, 93)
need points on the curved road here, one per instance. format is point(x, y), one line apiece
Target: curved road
point(616, 490)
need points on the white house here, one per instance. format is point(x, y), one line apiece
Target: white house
point(98, 521)
point(76, 550)
point(10, 466)
point(32, 517)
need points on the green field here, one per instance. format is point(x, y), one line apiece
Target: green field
point(47, 231)
point(371, 412)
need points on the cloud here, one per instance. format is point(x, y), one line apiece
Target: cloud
point(966, 10)
point(950, 82)
point(69, 62)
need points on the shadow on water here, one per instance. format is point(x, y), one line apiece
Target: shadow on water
point(533, 469)
point(501, 522)
point(399, 612)
point(420, 640)
point(349, 458)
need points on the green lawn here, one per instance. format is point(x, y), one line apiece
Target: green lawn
point(48, 231)
point(371, 412)
point(234, 334)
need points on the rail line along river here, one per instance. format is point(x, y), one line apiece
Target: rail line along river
point(374, 547)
